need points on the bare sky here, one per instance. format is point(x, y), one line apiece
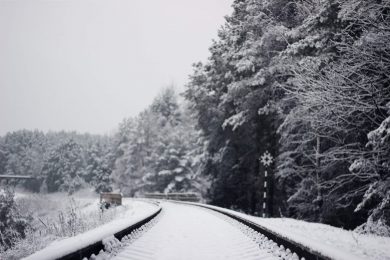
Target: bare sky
point(84, 65)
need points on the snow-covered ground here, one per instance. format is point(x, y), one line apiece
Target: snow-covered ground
point(333, 242)
point(55, 216)
point(136, 211)
point(188, 232)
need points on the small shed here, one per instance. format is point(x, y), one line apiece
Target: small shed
point(110, 198)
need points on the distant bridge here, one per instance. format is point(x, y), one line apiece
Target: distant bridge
point(8, 177)
point(19, 177)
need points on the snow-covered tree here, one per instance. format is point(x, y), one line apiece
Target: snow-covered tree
point(64, 168)
point(97, 171)
point(12, 224)
point(374, 167)
point(340, 94)
point(236, 96)
point(23, 154)
point(159, 153)
point(131, 164)
point(166, 106)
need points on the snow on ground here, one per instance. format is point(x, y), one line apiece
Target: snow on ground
point(55, 216)
point(137, 210)
point(188, 232)
point(47, 206)
point(333, 242)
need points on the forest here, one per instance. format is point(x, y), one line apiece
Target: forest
point(306, 80)
point(157, 151)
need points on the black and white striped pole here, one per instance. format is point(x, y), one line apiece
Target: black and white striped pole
point(266, 159)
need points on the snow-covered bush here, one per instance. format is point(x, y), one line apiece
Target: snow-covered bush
point(55, 216)
point(376, 166)
point(378, 228)
point(12, 224)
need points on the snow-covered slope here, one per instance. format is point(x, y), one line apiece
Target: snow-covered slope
point(138, 210)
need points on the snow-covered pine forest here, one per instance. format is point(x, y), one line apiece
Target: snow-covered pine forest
point(308, 81)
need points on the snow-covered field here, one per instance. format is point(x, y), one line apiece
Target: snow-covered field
point(333, 242)
point(58, 220)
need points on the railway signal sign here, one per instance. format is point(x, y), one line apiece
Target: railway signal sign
point(266, 159)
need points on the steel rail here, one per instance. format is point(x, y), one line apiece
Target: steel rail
point(95, 248)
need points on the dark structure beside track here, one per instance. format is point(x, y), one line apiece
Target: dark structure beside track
point(191, 197)
point(110, 199)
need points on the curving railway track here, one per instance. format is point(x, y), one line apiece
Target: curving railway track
point(188, 232)
point(193, 231)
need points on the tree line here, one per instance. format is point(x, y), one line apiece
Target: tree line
point(159, 150)
point(59, 161)
point(307, 80)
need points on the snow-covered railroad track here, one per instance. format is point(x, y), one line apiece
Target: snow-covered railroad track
point(90, 250)
point(192, 231)
point(294, 250)
point(188, 232)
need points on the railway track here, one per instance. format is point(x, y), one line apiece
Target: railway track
point(194, 231)
point(96, 248)
point(300, 250)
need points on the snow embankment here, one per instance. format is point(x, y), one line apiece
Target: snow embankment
point(138, 210)
point(332, 242)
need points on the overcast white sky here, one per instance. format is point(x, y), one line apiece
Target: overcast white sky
point(84, 65)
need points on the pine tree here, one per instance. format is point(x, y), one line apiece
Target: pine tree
point(155, 157)
point(97, 172)
point(64, 168)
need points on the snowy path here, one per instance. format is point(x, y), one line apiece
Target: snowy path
point(188, 232)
